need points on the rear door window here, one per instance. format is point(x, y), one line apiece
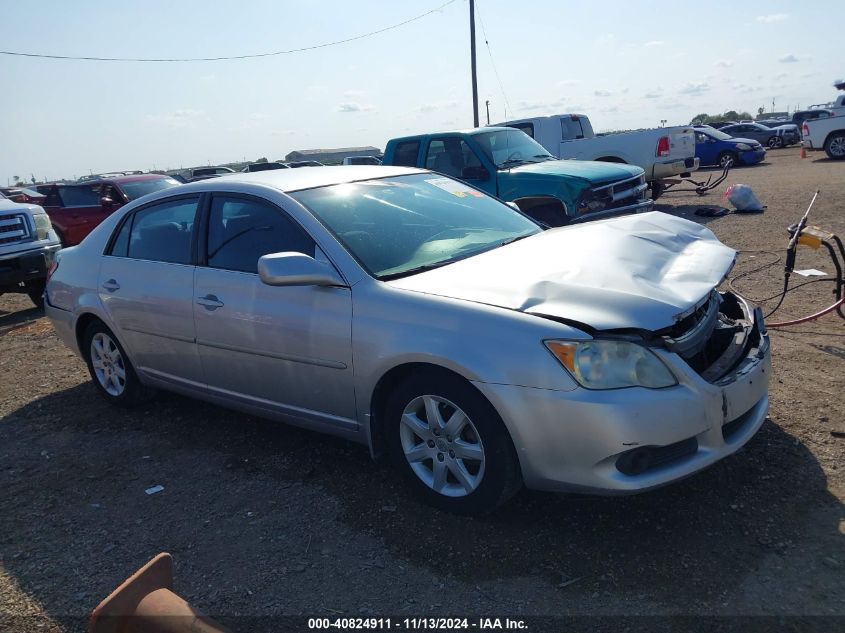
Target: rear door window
point(571, 129)
point(406, 153)
point(162, 232)
point(80, 195)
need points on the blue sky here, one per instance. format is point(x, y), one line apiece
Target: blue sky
point(625, 64)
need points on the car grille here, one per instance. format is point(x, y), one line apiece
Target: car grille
point(714, 337)
point(13, 228)
point(616, 195)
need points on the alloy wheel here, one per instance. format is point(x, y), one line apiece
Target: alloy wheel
point(442, 446)
point(109, 367)
point(837, 146)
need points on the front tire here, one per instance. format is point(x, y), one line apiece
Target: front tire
point(834, 147)
point(451, 445)
point(775, 142)
point(724, 157)
point(35, 291)
point(111, 371)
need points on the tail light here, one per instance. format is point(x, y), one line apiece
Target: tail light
point(662, 146)
point(54, 266)
point(805, 130)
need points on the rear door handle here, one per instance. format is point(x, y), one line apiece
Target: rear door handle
point(111, 285)
point(210, 302)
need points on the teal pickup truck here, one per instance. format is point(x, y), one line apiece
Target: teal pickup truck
point(509, 164)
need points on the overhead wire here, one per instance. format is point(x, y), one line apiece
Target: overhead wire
point(493, 63)
point(230, 57)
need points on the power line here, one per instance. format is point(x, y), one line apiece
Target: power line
point(232, 57)
point(493, 64)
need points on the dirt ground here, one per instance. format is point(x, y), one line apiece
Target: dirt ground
point(265, 519)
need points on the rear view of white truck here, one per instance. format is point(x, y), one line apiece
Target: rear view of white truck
point(662, 152)
point(826, 134)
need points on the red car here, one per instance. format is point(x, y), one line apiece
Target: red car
point(22, 195)
point(76, 209)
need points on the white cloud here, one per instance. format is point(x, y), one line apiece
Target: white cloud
point(607, 38)
point(774, 17)
point(724, 63)
point(351, 94)
point(178, 118)
point(654, 43)
point(654, 94)
point(602, 93)
point(351, 106)
point(788, 59)
point(694, 89)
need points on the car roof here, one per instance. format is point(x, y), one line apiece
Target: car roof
point(288, 180)
point(117, 179)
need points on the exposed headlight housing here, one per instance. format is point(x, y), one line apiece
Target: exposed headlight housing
point(743, 147)
point(593, 201)
point(42, 225)
point(611, 364)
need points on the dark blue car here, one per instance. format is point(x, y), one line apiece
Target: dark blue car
point(713, 147)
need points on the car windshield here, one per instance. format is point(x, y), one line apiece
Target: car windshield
point(508, 148)
point(143, 187)
point(717, 134)
point(406, 224)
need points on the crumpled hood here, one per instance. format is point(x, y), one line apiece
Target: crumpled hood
point(595, 172)
point(641, 271)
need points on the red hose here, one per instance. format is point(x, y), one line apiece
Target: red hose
point(812, 317)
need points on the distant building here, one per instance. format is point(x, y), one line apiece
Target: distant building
point(331, 156)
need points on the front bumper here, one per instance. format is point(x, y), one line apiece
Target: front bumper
point(752, 157)
point(27, 265)
point(640, 207)
point(575, 441)
point(675, 168)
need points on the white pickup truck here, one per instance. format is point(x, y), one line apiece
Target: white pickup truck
point(662, 152)
point(827, 134)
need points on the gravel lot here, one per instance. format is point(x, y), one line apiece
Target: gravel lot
point(265, 519)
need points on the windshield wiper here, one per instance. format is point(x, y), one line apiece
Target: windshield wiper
point(515, 239)
point(513, 161)
point(414, 271)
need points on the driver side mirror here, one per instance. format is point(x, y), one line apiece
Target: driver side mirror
point(106, 202)
point(476, 172)
point(296, 269)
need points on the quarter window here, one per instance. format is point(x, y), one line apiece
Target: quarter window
point(241, 230)
point(162, 233)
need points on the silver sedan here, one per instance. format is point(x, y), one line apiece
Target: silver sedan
point(433, 323)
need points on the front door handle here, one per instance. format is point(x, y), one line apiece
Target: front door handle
point(111, 285)
point(210, 302)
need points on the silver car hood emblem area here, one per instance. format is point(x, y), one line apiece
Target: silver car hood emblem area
point(643, 271)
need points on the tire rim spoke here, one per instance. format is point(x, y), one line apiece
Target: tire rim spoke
point(460, 472)
point(440, 474)
point(465, 450)
point(419, 453)
point(432, 413)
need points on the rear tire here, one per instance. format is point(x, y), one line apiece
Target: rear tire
point(834, 146)
point(472, 472)
point(111, 370)
point(775, 142)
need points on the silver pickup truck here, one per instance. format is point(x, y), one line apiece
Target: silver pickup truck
point(28, 246)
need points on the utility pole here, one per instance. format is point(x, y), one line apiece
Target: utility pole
point(487, 103)
point(472, 63)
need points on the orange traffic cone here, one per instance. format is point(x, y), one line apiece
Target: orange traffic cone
point(803, 152)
